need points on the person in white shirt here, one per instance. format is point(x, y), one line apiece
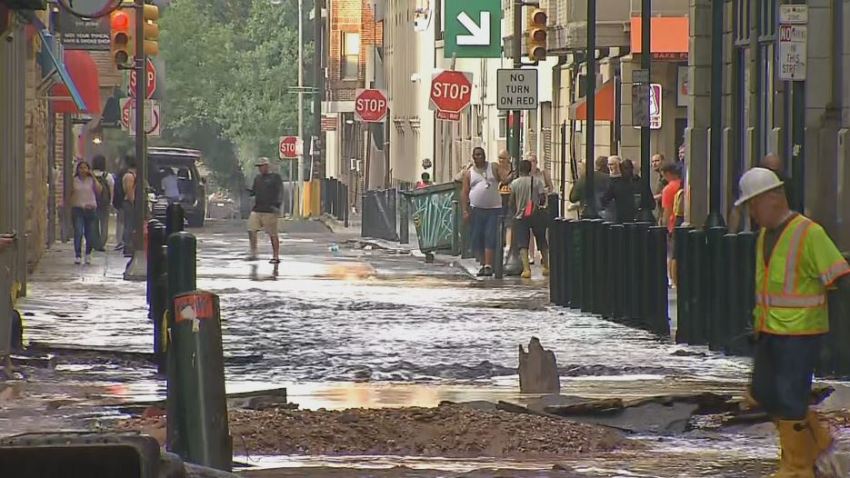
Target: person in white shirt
point(84, 193)
point(104, 203)
point(169, 185)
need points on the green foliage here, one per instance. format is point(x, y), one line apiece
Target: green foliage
point(230, 67)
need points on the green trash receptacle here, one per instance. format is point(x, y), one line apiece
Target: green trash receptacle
point(434, 212)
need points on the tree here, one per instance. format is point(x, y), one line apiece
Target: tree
point(231, 67)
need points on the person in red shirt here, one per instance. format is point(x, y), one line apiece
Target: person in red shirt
point(673, 175)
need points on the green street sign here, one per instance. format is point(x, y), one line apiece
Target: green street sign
point(473, 28)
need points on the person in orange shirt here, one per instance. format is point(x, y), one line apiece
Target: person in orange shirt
point(673, 175)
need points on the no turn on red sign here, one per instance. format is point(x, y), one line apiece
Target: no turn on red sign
point(451, 93)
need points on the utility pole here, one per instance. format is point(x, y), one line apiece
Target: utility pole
point(319, 78)
point(139, 265)
point(647, 203)
point(301, 90)
point(516, 127)
point(590, 211)
point(715, 218)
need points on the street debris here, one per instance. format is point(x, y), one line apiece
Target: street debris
point(449, 430)
point(538, 369)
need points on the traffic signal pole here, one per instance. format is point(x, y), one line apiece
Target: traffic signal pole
point(647, 203)
point(590, 211)
point(138, 266)
point(516, 127)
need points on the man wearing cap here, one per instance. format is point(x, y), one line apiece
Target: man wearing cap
point(268, 196)
point(796, 263)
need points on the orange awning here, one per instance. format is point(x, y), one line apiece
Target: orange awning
point(83, 72)
point(669, 36)
point(604, 104)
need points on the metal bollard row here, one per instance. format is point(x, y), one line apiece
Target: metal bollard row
point(617, 271)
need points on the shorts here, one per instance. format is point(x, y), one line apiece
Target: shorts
point(783, 367)
point(523, 229)
point(483, 231)
point(263, 221)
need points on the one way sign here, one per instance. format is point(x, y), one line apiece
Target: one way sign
point(473, 29)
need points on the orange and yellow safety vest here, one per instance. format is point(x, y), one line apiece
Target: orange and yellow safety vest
point(791, 287)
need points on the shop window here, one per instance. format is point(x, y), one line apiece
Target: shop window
point(350, 55)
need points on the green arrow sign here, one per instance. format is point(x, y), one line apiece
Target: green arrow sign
point(473, 29)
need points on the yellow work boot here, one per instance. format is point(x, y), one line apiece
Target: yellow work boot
point(526, 266)
point(826, 461)
point(798, 450)
point(545, 262)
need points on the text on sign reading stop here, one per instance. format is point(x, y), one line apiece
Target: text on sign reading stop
point(452, 91)
point(367, 104)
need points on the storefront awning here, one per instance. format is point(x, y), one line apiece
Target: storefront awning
point(669, 37)
point(605, 105)
point(79, 75)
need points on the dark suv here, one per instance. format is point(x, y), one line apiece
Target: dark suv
point(191, 186)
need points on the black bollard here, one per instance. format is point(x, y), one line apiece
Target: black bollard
point(572, 259)
point(555, 272)
point(157, 289)
point(632, 261)
point(658, 320)
point(619, 279)
point(697, 285)
point(643, 273)
point(684, 324)
point(747, 261)
point(174, 219)
point(732, 292)
point(589, 247)
point(602, 284)
point(564, 261)
point(715, 288)
point(197, 404)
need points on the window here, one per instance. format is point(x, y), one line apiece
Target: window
point(350, 55)
point(503, 125)
point(742, 22)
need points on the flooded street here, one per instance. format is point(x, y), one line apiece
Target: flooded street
point(364, 327)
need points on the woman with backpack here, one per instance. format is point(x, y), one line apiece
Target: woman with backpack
point(104, 199)
point(84, 192)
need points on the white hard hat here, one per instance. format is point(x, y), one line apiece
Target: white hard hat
point(757, 181)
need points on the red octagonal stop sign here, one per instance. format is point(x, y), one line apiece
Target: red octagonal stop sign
point(451, 92)
point(370, 105)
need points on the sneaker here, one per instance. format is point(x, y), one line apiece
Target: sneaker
point(118, 246)
point(274, 261)
point(88, 259)
point(77, 261)
point(485, 271)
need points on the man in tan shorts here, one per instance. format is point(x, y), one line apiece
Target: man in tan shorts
point(268, 196)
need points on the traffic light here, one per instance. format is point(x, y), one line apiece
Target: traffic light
point(121, 36)
point(151, 15)
point(536, 34)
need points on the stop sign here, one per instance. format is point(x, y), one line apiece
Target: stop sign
point(288, 147)
point(150, 80)
point(451, 92)
point(370, 105)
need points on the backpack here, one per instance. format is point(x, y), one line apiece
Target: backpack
point(118, 195)
point(679, 203)
point(104, 198)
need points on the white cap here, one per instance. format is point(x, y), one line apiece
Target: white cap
point(263, 162)
point(757, 181)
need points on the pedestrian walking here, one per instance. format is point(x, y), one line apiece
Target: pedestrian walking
point(118, 204)
point(482, 205)
point(619, 199)
point(544, 176)
point(268, 197)
point(796, 263)
point(658, 182)
point(528, 194)
point(84, 191)
point(672, 191)
point(128, 205)
point(104, 199)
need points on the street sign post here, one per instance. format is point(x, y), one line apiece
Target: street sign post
point(370, 106)
point(473, 29)
point(451, 93)
point(153, 117)
point(150, 77)
point(289, 147)
point(516, 89)
point(793, 42)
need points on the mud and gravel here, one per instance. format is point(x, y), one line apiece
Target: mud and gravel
point(450, 430)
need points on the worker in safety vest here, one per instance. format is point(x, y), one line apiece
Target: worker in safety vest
point(796, 262)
